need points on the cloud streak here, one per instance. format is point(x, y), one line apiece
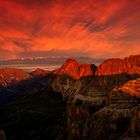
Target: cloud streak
point(100, 29)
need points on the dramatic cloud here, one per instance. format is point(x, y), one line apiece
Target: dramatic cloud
point(95, 28)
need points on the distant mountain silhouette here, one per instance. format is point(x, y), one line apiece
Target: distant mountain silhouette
point(39, 72)
point(9, 76)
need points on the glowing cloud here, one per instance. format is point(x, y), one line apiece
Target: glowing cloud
point(100, 29)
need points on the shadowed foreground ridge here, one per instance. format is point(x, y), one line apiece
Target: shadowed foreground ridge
point(75, 102)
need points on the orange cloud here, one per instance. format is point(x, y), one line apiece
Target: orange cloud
point(94, 28)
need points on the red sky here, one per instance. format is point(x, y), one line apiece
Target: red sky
point(94, 28)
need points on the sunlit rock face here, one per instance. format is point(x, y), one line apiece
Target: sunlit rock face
point(124, 109)
point(76, 70)
point(131, 88)
point(90, 116)
point(129, 65)
point(126, 96)
point(72, 77)
point(10, 76)
point(98, 107)
point(111, 73)
point(99, 110)
point(115, 72)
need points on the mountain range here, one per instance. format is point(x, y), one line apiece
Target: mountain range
point(74, 102)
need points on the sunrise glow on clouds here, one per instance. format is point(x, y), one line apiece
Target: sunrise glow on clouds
point(95, 28)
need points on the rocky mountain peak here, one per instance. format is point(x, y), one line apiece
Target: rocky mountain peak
point(74, 69)
point(39, 72)
point(10, 76)
point(129, 65)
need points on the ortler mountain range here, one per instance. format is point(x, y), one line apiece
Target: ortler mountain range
point(74, 102)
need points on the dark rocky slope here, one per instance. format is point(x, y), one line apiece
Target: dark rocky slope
point(79, 103)
point(94, 113)
point(113, 117)
point(35, 116)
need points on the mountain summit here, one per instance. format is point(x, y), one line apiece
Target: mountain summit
point(10, 76)
point(102, 105)
point(74, 69)
point(129, 65)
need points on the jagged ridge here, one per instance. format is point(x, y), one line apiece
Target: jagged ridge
point(10, 76)
point(76, 70)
